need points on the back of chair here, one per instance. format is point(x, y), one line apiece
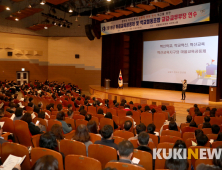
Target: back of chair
point(171, 133)
point(188, 135)
point(158, 120)
point(145, 158)
point(182, 125)
point(207, 131)
point(123, 166)
point(117, 139)
point(123, 134)
point(16, 150)
point(37, 153)
point(146, 118)
point(154, 138)
point(199, 119)
point(168, 138)
point(51, 123)
point(76, 117)
point(116, 119)
point(94, 137)
point(96, 119)
point(216, 144)
point(92, 109)
point(121, 113)
point(193, 160)
point(215, 120)
point(8, 126)
point(106, 121)
point(35, 140)
point(165, 145)
point(135, 143)
point(123, 119)
point(113, 111)
point(22, 132)
point(71, 122)
point(69, 147)
point(188, 129)
point(102, 153)
point(69, 135)
point(212, 136)
point(81, 121)
point(82, 163)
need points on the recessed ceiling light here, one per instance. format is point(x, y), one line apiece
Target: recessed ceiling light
point(43, 2)
point(7, 8)
point(16, 19)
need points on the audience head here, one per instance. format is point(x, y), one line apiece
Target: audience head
point(107, 132)
point(27, 117)
point(92, 127)
point(100, 111)
point(81, 134)
point(173, 126)
point(219, 137)
point(41, 115)
point(57, 131)
point(127, 125)
point(47, 162)
point(163, 107)
point(143, 138)
point(153, 110)
point(127, 106)
point(189, 118)
point(207, 119)
point(198, 132)
point(151, 128)
point(59, 107)
point(18, 112)
point(215, 129)
point(139, 107)
point(199, 113)
point(206, 125)
point(129, 113)
point(135, 108)
point(140, 128)
point(88, 117)
point(176, 164)
point(108, 115)
point(48, 141)
point(69, 107)
point(201, 140)
point(60, 116)
point(147, 108)
point(70, 114)
point(212, 113)
point(195, 106)
point(180, 144)
point(114, 102)
point(30, 104)
point(81, 108)
point(125, 149)
point(218, 162)
point(193, 124)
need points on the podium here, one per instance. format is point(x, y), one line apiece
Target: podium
point(107, 83)
point(213, 94)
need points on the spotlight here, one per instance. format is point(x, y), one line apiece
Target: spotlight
point(7, 8)
point(64, 25)
point(76, 19)
point(108, 0)
point(70, 10)
point(43, 2)
point(192, 2)
point(54, 23)
point(16, 19)
point(45, 27)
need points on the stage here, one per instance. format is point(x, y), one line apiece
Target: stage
point(154, 96)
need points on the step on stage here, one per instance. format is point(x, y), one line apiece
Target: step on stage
point(152, 96)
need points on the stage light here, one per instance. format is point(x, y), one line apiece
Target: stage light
point(16, 19)
point(108, 0)
point(70, 10)
point(192, 2)
point(7, 8)
point(45, 27)
point(76, 19)
point(43, 2)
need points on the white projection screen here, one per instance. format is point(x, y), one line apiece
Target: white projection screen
point(173, 60)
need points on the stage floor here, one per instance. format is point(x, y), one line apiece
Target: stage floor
point(158, 94)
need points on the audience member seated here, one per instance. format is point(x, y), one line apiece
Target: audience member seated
point(207, 110)
point(151, 129)
point(212, 113)
point(219, 137)
point(92, 127)
point(147, 109)
point(193, 124)
point(100, 111)
point(130, 114)
point(11, 108)
point(201, 140)
point(61, 117)
point(139, 128)
point(127, 108)
point(2, 113)
point(189, 118)
point(107, 137)
point(18, 114)
point(82, 135)
point(110, 116)
point(215, 129)
point(70, 114)
point(34, 130)
point(127, 125)
point(2, 140)
point(143, 140)
point(57, 131)
point(199, 113)
point(173, 126)
point(164, 109)
point(83, 112)
point(206, 124)
point(69, 107)
point(59, 107)
point(134, 108)
point(125, 152)
point(88, 117)
point(217, 163)
point(47, 162)
point(153, 110)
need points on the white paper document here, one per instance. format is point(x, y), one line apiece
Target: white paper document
point(135, 160)
point(11, 161)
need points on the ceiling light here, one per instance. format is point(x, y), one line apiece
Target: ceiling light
point(45, 27)
point(192, 2)
point(108, 0)
point(76, 19)
point(29, 6)
point(16, 19)
point(70, 10)
point(43, 2)
point(7, 8)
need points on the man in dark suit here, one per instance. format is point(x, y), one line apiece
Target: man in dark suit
point(125, 152)
point(143, 139)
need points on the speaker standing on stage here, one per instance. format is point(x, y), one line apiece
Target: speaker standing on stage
point(184, 88)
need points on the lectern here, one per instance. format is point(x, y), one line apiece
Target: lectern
point(107, 83)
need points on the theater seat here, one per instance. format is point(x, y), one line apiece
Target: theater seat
point(78, 162)
point(123, 166)
point(94, 137)
point(146, 159)
point(106, 121)
point(123, 134)
point(118, 139)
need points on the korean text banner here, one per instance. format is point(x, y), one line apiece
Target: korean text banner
point(187, 15)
